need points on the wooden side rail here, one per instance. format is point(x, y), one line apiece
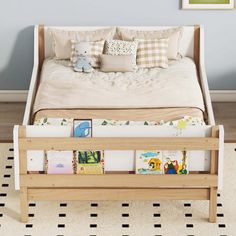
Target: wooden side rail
point(178, 143)
point(117, 194)
point(118, 181)
point(119, 186)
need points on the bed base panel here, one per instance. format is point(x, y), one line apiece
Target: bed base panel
point(119, 186)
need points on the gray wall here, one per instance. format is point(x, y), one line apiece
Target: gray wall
point(18, 17)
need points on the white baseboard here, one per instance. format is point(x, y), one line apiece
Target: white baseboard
point(21, 95)
point(223, 95)
point(13, 95)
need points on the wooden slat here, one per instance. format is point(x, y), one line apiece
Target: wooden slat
point(119, 143)
point(23, 189)
point(213, 171)
point(24, 204)
point(118, 194)
point(213, 205)
point(118, 181)
point(22, 153)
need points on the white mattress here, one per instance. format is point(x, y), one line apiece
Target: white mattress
point(62, 88)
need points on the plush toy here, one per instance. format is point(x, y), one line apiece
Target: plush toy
point(82, 63)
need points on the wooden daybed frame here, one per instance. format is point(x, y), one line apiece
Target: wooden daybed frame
point(198, 186)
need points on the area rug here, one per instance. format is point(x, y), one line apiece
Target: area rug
point(116, 218)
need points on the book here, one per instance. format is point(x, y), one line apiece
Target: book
point(119, 160)
point(83, 128)
point(60, 162)
point(90, 162)
point(35, 160)
point(149, 162)
point(175, 162)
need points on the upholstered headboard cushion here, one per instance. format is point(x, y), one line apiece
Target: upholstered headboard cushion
point(189, 44)
point(186, 44)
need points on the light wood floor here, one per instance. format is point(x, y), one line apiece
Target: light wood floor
point(12, 113)
point(225, 114)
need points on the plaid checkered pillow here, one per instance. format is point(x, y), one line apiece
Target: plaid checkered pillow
point(96, 49)
point(152, 53)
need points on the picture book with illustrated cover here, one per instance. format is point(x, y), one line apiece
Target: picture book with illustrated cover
point(149, 162)
point(175, 162)
point(83, 128)
point(60, 162)
point(90, 162)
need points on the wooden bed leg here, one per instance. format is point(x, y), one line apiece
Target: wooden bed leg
point(24, 204)
point(23, 171)
point(213, 205)
point(213, 170)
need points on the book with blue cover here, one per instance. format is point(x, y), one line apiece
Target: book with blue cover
point(83, 128)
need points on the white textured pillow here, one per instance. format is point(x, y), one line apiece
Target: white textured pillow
point(174, 35)
point(152, 53)
point(121, 48)
point(96, 49)
point(62, 39)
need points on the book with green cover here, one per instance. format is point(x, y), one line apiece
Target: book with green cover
point(90, 162)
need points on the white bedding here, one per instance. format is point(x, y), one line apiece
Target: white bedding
point(62, 88)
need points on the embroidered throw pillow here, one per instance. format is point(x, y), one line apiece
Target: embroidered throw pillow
point(152, 53)
point(96, 49)
point(121, 48)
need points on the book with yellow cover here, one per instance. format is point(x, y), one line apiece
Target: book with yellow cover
point(149, 162)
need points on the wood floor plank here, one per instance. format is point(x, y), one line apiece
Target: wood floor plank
point(225, 113)
point(10, 115)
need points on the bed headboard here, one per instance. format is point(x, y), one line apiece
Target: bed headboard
point(189, 45)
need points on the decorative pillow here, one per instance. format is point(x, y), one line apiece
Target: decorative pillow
point(96, 49)
point(174, 35)
point(113, 63)
point(121, 48)
point(152, 53)
point(61, 39)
